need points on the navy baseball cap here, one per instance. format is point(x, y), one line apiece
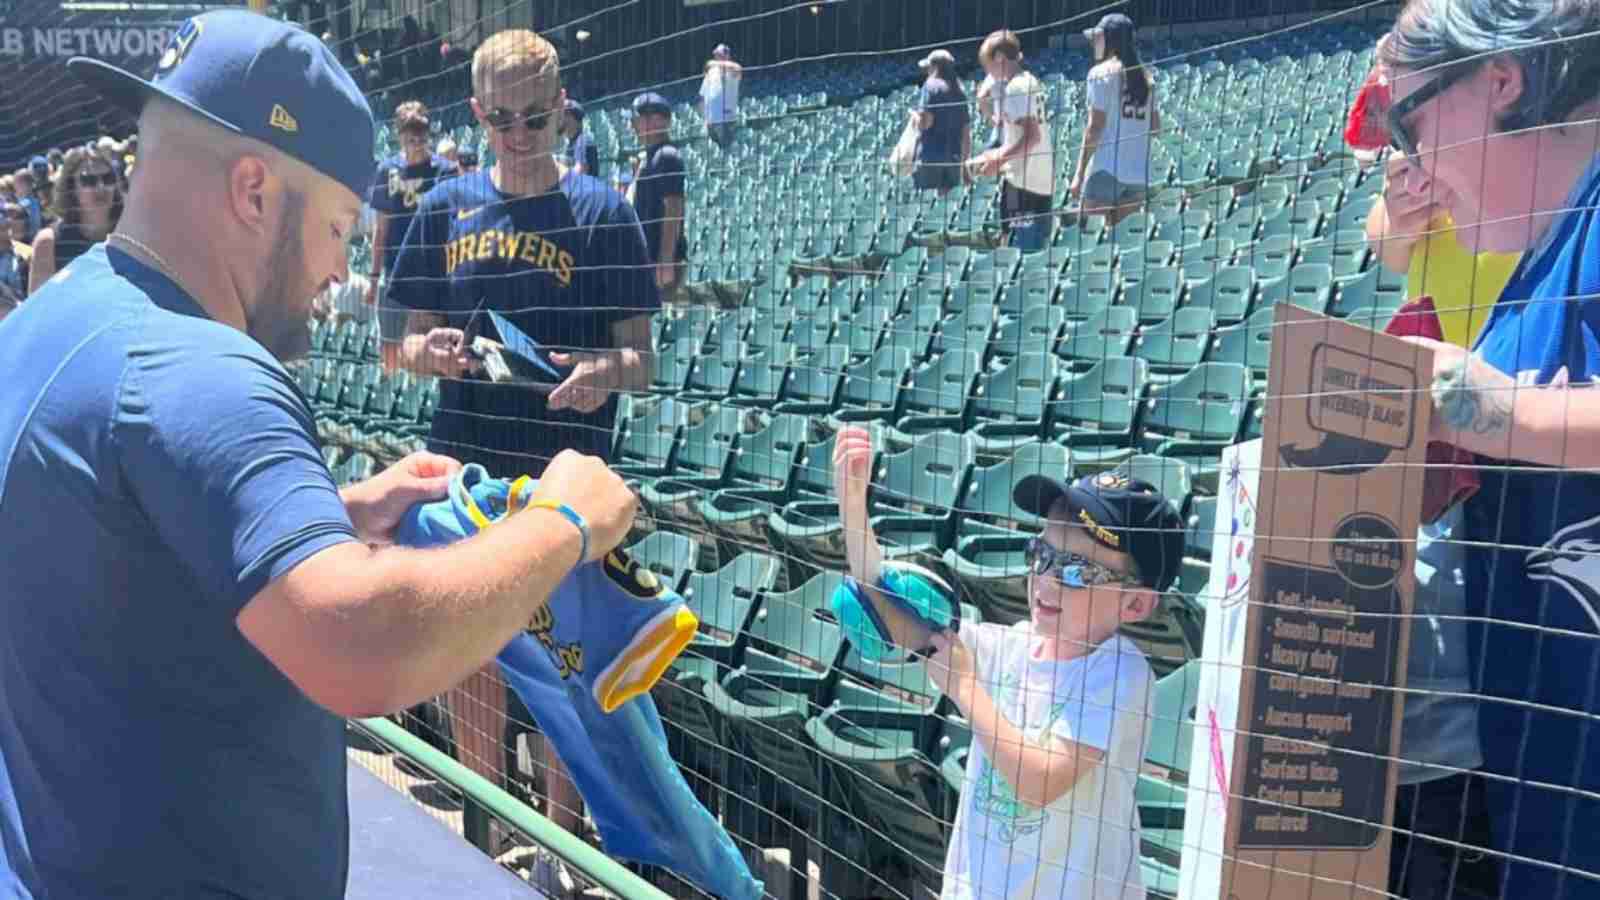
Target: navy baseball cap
point(651, 102)
point(1109, 23)
point(260, 78)
point(39, 165)
point(1125, 514)
point(575, 107)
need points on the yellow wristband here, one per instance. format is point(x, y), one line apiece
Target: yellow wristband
point(572, 516)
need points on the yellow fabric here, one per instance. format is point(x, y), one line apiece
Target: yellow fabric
point(636, 671)
point(1464, 286)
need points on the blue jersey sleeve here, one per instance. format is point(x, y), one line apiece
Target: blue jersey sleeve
point(418, 280)
point(218, 448)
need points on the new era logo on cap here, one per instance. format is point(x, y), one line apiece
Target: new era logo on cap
point(281, 120)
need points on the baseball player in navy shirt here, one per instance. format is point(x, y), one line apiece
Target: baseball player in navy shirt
point(189, 607)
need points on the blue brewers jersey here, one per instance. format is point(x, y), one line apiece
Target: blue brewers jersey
point(584, 668)
point(563, 267)
point(1544, 571)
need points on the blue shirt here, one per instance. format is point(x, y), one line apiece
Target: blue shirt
point(1439, 728)
point(941, 141)
point(1544, 525)
point(35, 214)
point(661, 176)
point(563, 267)
point(157, 470)
point(396, 190)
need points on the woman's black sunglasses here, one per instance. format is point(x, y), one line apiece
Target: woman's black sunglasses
point(1400, 136)
point(105, 179)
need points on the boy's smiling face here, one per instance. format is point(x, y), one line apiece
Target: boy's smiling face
point(1075, 620)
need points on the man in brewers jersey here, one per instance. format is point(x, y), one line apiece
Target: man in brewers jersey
point(562, 257)
point(401, 181)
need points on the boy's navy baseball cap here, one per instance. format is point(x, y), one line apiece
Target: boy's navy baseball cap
point(1124, 514)
point(260, 78)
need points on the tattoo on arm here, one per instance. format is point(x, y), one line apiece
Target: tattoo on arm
point(1467, 405)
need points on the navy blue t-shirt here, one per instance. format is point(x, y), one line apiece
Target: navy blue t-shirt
point(397, 188)
point(563, 267)
point(157, 470)
point(1543, 571)
point(661, 176)
point(941, 141)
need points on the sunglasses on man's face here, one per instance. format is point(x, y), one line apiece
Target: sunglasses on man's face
point(1401, 137)
point(91, 180)
point(535, 117)
point(1073, 570)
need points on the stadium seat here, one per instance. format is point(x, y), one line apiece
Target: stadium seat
point(1009, 405)
point(1154, 294)
point(1308, 286)
point(812, 386)
point(1105, 335)
point(872, 388)
point(1374, 288)
point(1176, 345)
point(1096, 412)
point(672, 557)
point(986, 556)
point(670, 367)
point(703, 454)
point(792, 648)
point(756, 481)
point(1194, 417)
point(648, 446)
point(1228, 293)
point(1031, 290)
point(935, 398)
point(1248, 344)
point(1086, 296)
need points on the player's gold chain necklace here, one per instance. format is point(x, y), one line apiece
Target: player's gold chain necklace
point(158, 259)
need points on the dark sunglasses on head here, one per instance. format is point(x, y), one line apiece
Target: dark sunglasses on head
point(1400, 136)
point(106, 179)
point(535, 117)
point(1073, 570)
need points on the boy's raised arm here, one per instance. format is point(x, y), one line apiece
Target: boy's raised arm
point(852, 471)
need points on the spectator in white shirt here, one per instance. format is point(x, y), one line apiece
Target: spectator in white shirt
point(1113, 173)
point(719, 95)
point(1025, 160)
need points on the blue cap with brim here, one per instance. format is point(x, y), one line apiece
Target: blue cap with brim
point(913, 590)
point(260, 78)
point(651, 102)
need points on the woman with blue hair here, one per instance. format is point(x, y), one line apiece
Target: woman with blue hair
point(1494, 103)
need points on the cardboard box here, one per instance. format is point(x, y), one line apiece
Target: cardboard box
point(1292, 772)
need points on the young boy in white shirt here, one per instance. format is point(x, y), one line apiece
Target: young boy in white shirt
point(1058, 703)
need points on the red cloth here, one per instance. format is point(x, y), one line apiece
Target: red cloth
point(1452, 474)
point(1366, 127)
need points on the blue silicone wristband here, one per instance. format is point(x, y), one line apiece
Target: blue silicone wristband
point(572, 516)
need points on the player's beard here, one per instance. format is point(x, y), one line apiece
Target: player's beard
point(283, 305)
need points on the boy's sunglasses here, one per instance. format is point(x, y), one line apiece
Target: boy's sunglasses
point(501, 119)
point(1071, 569)
point(1400, 136)
point(106, 179)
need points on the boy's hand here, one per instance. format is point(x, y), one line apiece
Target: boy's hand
point(953, 670)
point(852, 463)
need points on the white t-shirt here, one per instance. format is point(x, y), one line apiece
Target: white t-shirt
point(720, 91)
point(1022, 97)
point(1124, 149)
point(1085, 845)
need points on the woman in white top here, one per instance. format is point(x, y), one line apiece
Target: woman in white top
point(1113, 171)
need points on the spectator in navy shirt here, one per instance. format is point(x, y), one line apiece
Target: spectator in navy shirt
point(401, 181)
point(941, 113)
point(1513, 90)
point(582, 154)
point(658, 189)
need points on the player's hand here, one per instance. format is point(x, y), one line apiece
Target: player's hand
point(377, 505)
point(594, 378)
point(985, 165)
point(952, 668)
point(444, 353)
point(665, 274)
point(852, 462)
point(1075, 189)
point(588, 485)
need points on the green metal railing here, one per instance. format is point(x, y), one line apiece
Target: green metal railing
point(583, 859)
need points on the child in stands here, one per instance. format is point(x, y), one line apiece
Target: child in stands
point(1057, 703)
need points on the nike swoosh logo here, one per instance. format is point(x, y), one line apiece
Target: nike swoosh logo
point(468, 213)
